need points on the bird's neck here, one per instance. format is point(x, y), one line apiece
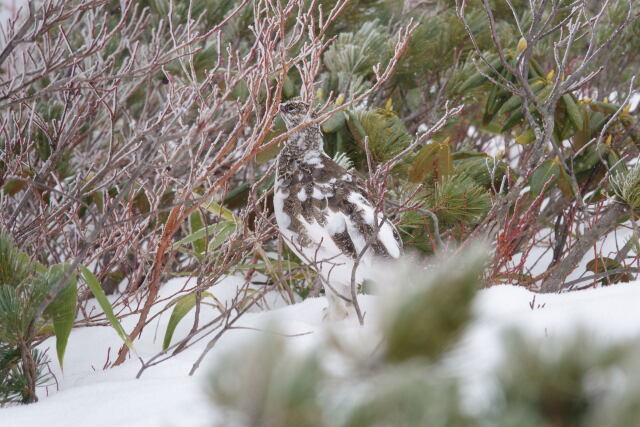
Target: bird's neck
point(305, 141)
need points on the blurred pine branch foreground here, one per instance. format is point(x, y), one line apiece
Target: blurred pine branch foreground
point(137, 141)
point(411, 377)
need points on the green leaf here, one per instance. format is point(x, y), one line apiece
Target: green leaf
point(426, 319)
point(98, 199)
point(496, 98)
point(196, 222)
point(289, 88)
point(513, 121)
point(433, 158)
point(516, 101)
point(616, 166)
point(238, 196)
point(563, 128)
point(604, 107)
point(92, 282)
point(214, 232)
point(468, 154)
point(63, 307)
point(583, 135)
point(13, 186)
point(141, 201)
point(486, 170)
point(597, 121)
point(278, 129)
point(15, 265)
point(217, 209)
point(334, 123)
point(574, 111)
point(458, 199)
point(355, 53)
point(422, 163)
point(479, 78)
point(444, 165)
point(183, 305)
point(603, 264)
point(472, 82)
point(625, 184)
point(526, 137)
point(548, 170)
point(493, 127)
point(535, 68)
point(517, 115)
point(564, 183)
point(226, 228)
point(269, 154)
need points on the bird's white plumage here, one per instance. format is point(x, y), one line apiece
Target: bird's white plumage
point(317, 193)
point(323, 254)
point(282, 218)
point(336, 266)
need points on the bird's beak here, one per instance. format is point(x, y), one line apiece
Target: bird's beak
point(281, 108)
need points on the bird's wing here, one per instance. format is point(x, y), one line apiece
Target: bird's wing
point(364, 221)
point(327, 221)
point(348, 215)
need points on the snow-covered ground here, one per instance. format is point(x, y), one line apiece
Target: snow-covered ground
point(166, 395)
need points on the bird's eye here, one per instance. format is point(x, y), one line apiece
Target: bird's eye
point(289, 108)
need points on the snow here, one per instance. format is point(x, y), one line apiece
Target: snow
point(166, 395)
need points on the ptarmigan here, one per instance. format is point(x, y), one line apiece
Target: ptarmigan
point(323, 216)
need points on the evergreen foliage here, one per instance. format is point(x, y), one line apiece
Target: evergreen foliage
point(21, 367)
point(24, 289)
point(626, 185)
point(566, 383)
point(411, 330)
point(14, 384)
point(351, 57)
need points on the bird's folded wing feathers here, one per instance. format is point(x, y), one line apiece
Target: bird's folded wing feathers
point(363, 224)
point(350, 226)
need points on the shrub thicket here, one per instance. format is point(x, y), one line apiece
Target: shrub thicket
point(137, 137)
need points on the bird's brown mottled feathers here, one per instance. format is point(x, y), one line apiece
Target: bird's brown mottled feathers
point(317, 187)
point(322, 214)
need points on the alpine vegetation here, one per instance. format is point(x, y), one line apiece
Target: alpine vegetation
point(170, 169)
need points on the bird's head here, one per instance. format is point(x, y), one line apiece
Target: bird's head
point(294, 113)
